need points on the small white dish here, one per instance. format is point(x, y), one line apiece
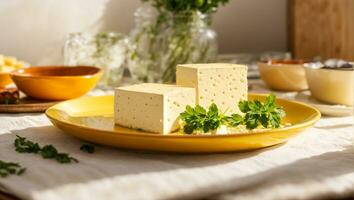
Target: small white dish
point(324, 108)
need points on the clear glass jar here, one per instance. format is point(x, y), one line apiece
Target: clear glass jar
point(160, 42)
point(104, 50)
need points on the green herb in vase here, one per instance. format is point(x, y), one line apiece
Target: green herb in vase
point(171, 32)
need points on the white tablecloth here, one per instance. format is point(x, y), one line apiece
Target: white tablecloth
point(317, 163)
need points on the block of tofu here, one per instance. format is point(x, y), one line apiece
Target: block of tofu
point(219, 83)
point(151, 107)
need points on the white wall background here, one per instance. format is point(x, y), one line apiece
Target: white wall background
point(34, 30)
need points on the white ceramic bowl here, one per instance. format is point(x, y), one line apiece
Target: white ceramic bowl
point(330, 85)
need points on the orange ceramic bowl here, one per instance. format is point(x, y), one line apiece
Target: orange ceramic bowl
point(5, 79)
point(283, 76)
point(56, 82)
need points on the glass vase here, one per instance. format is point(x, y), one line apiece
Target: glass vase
point(104, 50)
point(160, 42)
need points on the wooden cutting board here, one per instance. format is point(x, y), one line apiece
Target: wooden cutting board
point(322, 28)
point(27, 105)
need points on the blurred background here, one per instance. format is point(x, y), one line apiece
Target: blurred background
point(242, 31)
point(35, 30)
point(297, 46)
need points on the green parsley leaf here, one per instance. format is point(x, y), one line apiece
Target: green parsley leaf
point(234, 120)
point(201, 110)
point(10, 168)
point(264, 120)
point(88, 148)
point(24, 146)
point(65, 158)
point(243, 106)
point(270, 101)
point(251, 120)
point(49, 151)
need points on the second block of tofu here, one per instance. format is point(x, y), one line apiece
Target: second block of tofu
point(151, 107)
point(219, 83)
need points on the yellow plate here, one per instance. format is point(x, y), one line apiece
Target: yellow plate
point(91, 119)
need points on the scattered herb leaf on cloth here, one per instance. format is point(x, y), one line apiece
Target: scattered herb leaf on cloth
point(48, 151)
point(88, 148)
point(10, 168)
point(25, 146)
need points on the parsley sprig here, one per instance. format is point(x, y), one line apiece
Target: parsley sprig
point(201, 120)
point(255, 113)
point(10, 168)
point(266, 114)
point(48, 151)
